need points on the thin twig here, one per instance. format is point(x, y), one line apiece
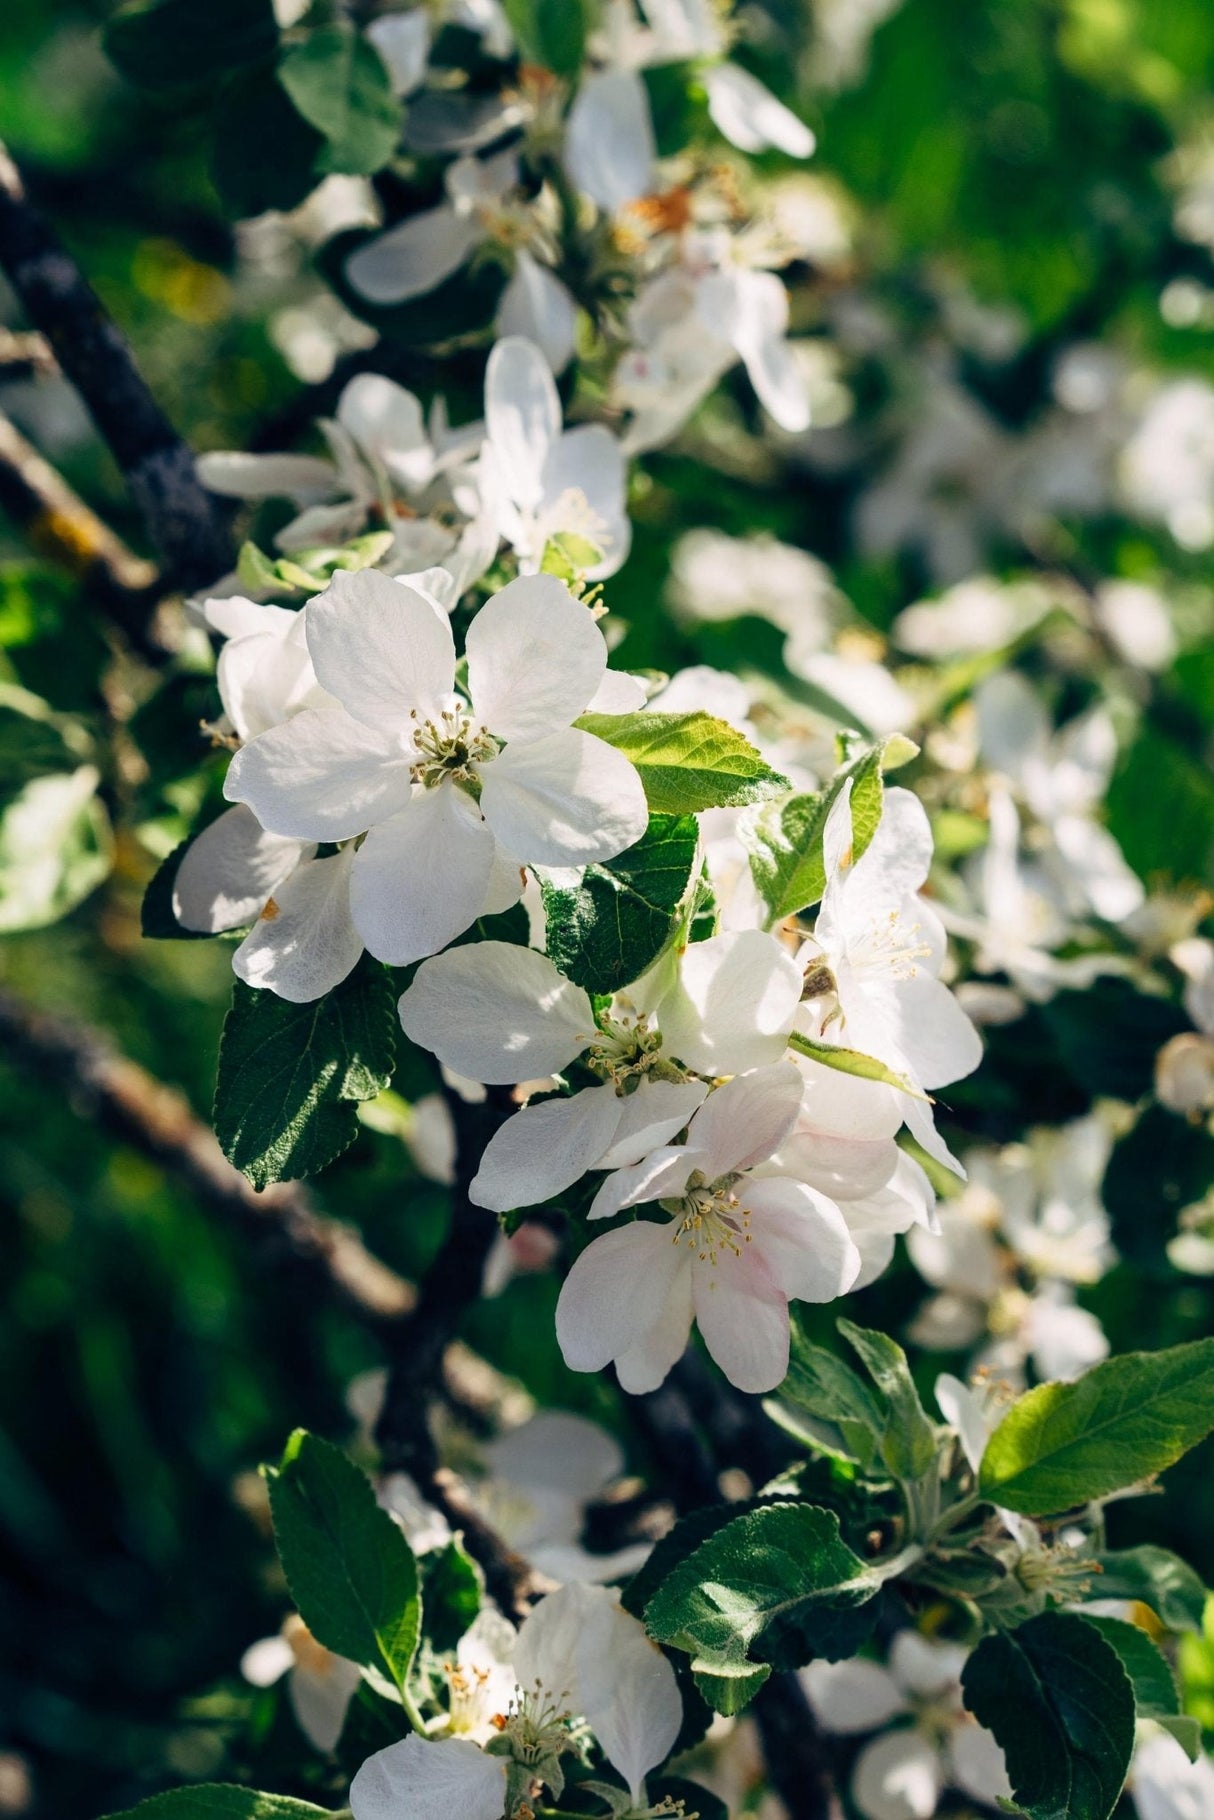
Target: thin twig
point(62, 528)
point(184, 522)
point(25, 355)
point(509, 1579)
point(131, 1103)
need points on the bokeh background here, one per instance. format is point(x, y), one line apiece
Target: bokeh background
point(1012, 215)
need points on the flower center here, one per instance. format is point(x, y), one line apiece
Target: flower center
point(625, 1049)
point(538, 1726)
point(449, 749)
point(888, 946)
point(709, 1218)
point(468, 1697)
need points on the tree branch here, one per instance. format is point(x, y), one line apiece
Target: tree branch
point(183, 521)
point(25, 356)
point(61, 527)
point(140, 1110)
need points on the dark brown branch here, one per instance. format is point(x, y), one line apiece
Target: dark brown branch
point(509, 1579)
point(105, 1085)
point(184, 522)
point(798, 1763)
point(62, 528)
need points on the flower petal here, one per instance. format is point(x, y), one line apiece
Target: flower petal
point(387, 423)
point(420, 878)
point(663, 1173)
point(497, 1013)
point(743, 1122)
point(653, 1115)
point(429, 1779)
point(229, 870)
point(557, 1451)
point(413, 258)
point(587, 468)
point(321, 1698)
point(544, 1149)
point(978, 1767)
point(616, 1292)
point(855, 1696)
point(537, 306)
point(610, 151)
point(565, 800)
point(304, 943)
point(897, 1777)
point(307, 479)
point(733, 1005)
point(522, 416)
point(382, 649)
point(802, 1238)
point(535, 658)
point(749, 116)
point(743, 1318)
point(320, 776)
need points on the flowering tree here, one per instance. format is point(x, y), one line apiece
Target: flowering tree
point(693, 984)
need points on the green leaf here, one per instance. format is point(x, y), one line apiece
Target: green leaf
point(184, 43)
point(291, 1075)
point(1159, 1579)
point(826, 1405)
point(688, 762)
point(551, 32)
point(219, 1801)
point(1123, 1421)
point(607, 930)
point(55, 847)
point(850, 1061)
point(349, 1568)
point(784, 840)
point(452, 1589)
point(1156, 1695)
point(1059, 1702)
point(753, 1596)
point(339, 83)
point(265, 154)
point(908, 1442)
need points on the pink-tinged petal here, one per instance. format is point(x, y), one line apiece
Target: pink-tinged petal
point(537, 306)
point(321, 776)
point(802, 1239)
point(413, 258)
point(429, 1779)
point(658, 1177)
point(304, 942)
point(522, 416)
point(497, 1013)
point(653, 1115)
point(744, 1320)
point(535, 658)
point(855, 1696)
point(419, 879)
point(382, 649)
point(229, 871)
point(746, 1120)
point(843, 1168)
point(545, 1149)
point(843, 1105)
point(616, 1293)
point(897, 1777)
point(733, 1004)
point(564, 801)
point(650, 1359)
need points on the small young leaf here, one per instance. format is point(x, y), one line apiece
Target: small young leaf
point(1159, 1579)
point(551, 32)
point(1123, 1421)
point(688, 762)
point(349, 1568)
point(908, 1443)
point(1059, 1702)
point(608, 929)
point(219, 1801)
point(826, 1405)
point(767, 1589)
point(291, 1075)
point(180, 43)
point(784, 840)
point(338, 82)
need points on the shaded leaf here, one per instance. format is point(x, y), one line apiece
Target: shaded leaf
point(180, 43)
point(908, 1440)
point(688, 762)
point(339, 83)
point(608, 929)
